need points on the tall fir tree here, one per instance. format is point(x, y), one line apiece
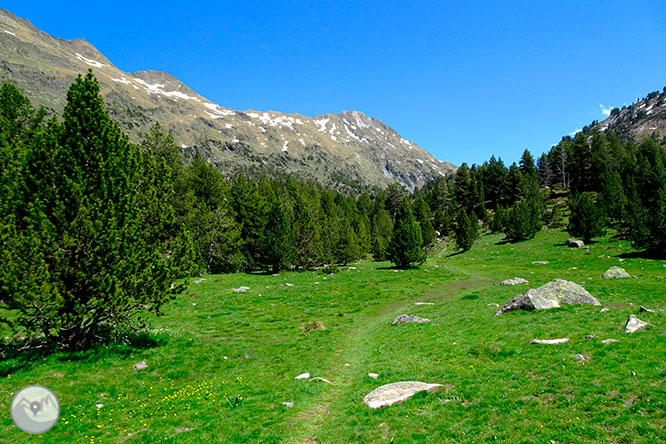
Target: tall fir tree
point(406, 245)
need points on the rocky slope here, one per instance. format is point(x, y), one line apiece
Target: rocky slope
point(644, 118)
point(345, 150)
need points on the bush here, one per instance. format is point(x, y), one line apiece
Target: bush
point(523, 220)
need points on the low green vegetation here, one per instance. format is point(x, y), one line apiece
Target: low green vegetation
point(220, 363)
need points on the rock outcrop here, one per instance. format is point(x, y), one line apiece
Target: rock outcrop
point(550, 295)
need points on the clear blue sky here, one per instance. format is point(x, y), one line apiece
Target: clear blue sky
point(464, 80)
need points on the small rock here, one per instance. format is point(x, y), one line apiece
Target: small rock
point(390, 394)
point(140, 365)
point(198, 281)
point(604, 310)
point(303, 376)
point(609, 341)
point(515, 281)
point(549, 341)
point(183, 429)
point(194, 303)
point(275, 274)
point(634, 324)
point(287, 404)
point(580, 357)
point(319, 378)
point(99, 406)
point(589, 336)
point(540, 262)
point(573, 243)
point(664, 265)
point(620, 260)
point(288, 284)
point(347, 365)
point(405, 319)
point(615, 272)
point(492, 304)
point(240, 289)
point(423, 303)
point(373, 375)
point(648, 310)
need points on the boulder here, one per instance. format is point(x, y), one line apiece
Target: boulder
point(390, 394)
point(549, 341)
point(514, 281)
point(573, 243)
point(634, 324)
point(609, 341)
point(581, 357)
point(140, 365)
point(406, 319)
point(615, 272)
point(550, 295)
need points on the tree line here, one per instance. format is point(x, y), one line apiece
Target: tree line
point(95, 230)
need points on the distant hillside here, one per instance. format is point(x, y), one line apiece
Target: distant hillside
point(346, 150)
point(644, 118)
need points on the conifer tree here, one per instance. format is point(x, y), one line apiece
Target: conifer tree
point(382, 227)
point(347, 247)
point(406, 245)
point(586, 219)
point(423, 217)
point(94, 212)
point(466, 229)
point(276, 240)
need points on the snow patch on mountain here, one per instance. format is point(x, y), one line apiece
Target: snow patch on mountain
point(90, 62)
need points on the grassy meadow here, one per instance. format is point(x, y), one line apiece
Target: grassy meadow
point(220, 363)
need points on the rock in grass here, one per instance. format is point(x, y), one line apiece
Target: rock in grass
point(303, 376)
point(573, 243)
point(183, 429)
point(615, 272)
point(609, 341)
point(406, 319)
point(287, 404)
point(423, 303)
point(140, 365)
point(240, 289)
point(373, 375)
point(648, 310)
point(550, 295)
point(390, 394)
point(634, 324)
point(514, 281)
point(549, 341)
point(540, 262)
point(319, 378)
point(581, 357)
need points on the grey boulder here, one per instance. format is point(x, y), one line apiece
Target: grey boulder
point(634, 324)
point(615, 272)
point(514, 281)
point(550, 295)
point(396, 392)
point(406, 319)
point(573, 243)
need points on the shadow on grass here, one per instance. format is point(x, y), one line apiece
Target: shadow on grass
point(645, 254)
point(24, 355)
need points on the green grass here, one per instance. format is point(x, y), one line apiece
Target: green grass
point(223, 367)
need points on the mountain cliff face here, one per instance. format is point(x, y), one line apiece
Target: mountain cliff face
point(344, 150)
point(644, 118)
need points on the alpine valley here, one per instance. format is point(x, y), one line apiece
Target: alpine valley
point(349, 150)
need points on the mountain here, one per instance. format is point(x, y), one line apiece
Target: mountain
point(345, 150)
point(644, 118)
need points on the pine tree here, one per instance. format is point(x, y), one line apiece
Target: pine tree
point(94, 211)
point(406, 245)
point(586, 219)
point(347, 245)
point(307, 245)
point(382, 227)
point(248, 207)
point(466, 229)
point(276, 239)
point(422, 214)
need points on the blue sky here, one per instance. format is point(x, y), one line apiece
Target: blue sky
point(463, 80)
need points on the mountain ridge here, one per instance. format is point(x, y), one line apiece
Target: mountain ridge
point(346, 150)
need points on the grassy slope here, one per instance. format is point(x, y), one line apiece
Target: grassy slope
point(498, 388)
